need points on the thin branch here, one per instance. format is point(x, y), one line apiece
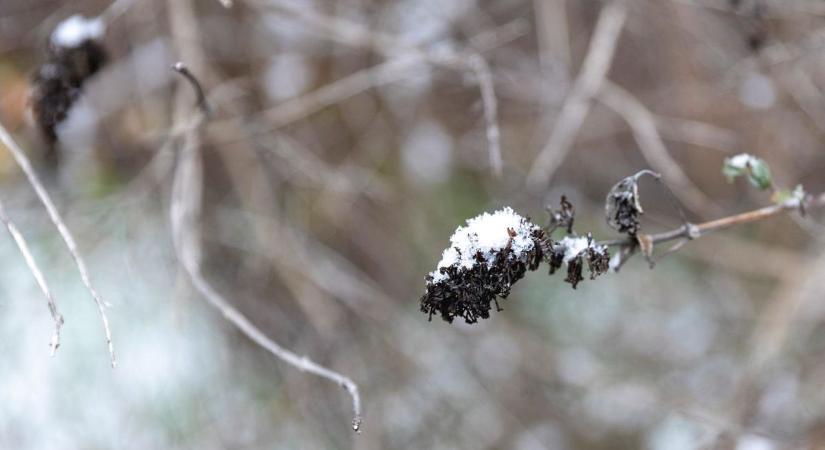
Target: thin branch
point(38, 276)
point(185, 212)
point(23, 161)
point(488, 99)
point(349, 86)
point(181, 68)
point(694, 231)
point(577, 104)
point(697, 133)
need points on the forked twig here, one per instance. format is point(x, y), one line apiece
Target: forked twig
point(23, 161)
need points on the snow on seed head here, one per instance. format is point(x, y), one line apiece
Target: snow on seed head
point(77, 29)
point(742, 160)
point(485, 258)
point(484, 237)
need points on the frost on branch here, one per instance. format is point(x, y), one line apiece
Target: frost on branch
point(74, 54)
point(485, 258)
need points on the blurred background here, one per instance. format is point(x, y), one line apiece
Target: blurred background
point(348, 139)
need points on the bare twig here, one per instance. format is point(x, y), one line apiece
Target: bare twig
point(375, 76)
point(697, 133)
point(643, 124)
point(185, 211)
point(180, 68)
point(23, 161)
point(38, 276)
point(488, 98)
point(577, 104)
point(693, 231)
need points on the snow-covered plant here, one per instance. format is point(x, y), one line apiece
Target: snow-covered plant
point(495, 250)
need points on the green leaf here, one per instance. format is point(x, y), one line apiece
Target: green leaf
point(757, 171)
point(759, 174)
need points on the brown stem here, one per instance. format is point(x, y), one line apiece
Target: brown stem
point(693, 231)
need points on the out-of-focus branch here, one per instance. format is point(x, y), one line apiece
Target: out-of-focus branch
point(381, 74)
point(697, 133)
point(23, 161)
point(577, 104)
point(355, 35)
point(643, 125)
point(185, 212)
point(38, 276)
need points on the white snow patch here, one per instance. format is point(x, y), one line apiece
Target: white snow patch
point(76, 29)
point(574, 246)
point(742, 161)
point(488, 235)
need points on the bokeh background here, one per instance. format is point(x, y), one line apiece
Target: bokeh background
point(328, 201)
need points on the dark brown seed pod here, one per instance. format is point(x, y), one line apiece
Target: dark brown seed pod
point(74, 53)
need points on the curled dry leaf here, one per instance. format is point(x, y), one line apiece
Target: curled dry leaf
point(622, 207)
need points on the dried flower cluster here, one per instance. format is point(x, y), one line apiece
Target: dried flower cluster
point(575, 252)
point(485, 258)
point(74, 54)
point(493, 251)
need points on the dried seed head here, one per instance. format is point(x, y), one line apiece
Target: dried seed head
point(562, 217)
point(492, 252)
point(485, 258)
point(73, 55)
point(598, 261)
point(574, 271)
point(622, 207)
point(574, 251)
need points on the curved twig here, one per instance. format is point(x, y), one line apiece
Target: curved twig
point(38, 276)
point(185, 212)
